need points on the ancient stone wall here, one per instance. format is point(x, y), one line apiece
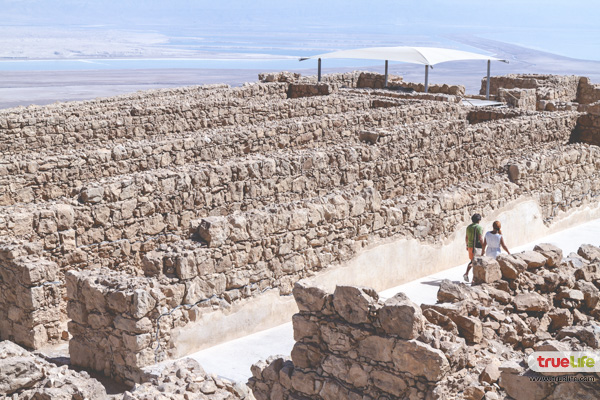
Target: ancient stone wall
point(485, 114)
point(296, 90)
point(350, 345)
point(253, 193)
point(434, 88)
point(547, 87)
point(587, 92)
point(525, 99)
point(247, 253)
point(95, 123)
point(587, 129)
point(47, 175)
point(32, 309)
point(110, 321)
point(113, 222)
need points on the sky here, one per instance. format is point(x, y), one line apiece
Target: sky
point(565, 28)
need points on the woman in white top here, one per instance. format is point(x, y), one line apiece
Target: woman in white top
point(492, 241)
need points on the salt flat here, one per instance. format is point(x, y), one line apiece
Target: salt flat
point(232, 360)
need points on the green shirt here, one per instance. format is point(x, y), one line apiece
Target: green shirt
point(470, 230)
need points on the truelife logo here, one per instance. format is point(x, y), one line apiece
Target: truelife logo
point(564, 361)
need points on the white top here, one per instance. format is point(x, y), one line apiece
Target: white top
point(408, 54)
point(492, 242)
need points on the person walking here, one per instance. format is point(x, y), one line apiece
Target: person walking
point(493, 240)
point(473, 240)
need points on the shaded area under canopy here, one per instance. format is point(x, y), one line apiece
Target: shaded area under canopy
point(427, 56)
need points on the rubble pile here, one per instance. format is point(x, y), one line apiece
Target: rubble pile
point(26, 376)
point(472, 344)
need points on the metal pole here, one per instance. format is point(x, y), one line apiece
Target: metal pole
point(386, 73)
point(426, 78)
point(319, 74)
point(487, 83)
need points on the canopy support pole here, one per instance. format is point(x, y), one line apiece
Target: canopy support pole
point(426, 78)
point(386, 73)
point(487, 82)
point(319, 73)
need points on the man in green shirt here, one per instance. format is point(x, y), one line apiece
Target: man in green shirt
point(473, 239)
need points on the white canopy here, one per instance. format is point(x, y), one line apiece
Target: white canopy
point(427, 56)
point(413, 55)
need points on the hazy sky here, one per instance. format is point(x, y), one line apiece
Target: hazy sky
point(568, 28)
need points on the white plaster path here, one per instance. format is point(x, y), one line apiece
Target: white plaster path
point(232, 360)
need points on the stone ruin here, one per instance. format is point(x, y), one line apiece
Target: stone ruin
point(128, 224)
point(473, 344)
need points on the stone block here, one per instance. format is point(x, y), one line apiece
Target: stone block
point(533, 259)
point(511, 267)
point(353, 303)
point(377, 348)
point(532, 302)
point(486, 270)
point(420, 359)
point(214, 231)
point(133, 326)
point(400, 316)
point(306, 356)
point(589, 252)
point(469, 327)
point(305, 330)
point(389, 383)
point(552, 253)
point(142, 303)
point(91, 194)
point(450, 292)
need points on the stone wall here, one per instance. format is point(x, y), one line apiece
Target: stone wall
point(96, 122)
point(296, 90)
point(114, 221)
point(246, 191)
point(434, 88)
point(31, 297)
point(302, 86)
point(547, 87)
point(525, 99)
point(587, 92)
point(246, 254)
point(587, 129)
point(485, 114)
point(114, 320)
point(350, 345)
point(48, 175)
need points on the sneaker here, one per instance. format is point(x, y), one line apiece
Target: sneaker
point(466, 277)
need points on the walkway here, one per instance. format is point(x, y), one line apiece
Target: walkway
point(232, 360)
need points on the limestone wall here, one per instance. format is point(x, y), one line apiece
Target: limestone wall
point(245, 191)
point(31, 297)
point(587, 92)
point(47, 175)
point(94, 124)
point(350, 345)
point(587, 129)
point(547, 87)
point(242, 255)
point(114, 221)
point(525, 99)
point(484, 114)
